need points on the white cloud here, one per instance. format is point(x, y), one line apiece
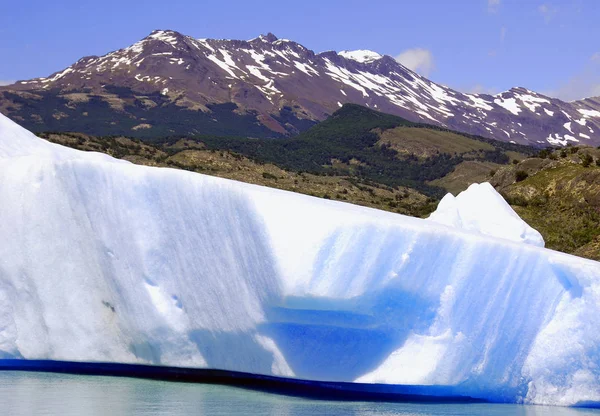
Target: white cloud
point(548, 12)
point(417, 59)
point(493, 5)
point(6, 82)
point(582, 85)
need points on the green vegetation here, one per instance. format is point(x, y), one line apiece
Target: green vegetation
point(355, 141)
point(358, 156)
point(121, 111)
point(466, 173)
point(192, 156)
point(560, 197)
point(426, 142)
point(521, 175)
point(586, 160)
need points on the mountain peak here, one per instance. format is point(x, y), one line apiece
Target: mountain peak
point(269, 37)
point(167, 36)
point(163, 32)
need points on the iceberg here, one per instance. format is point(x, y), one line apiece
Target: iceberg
point(103, 261)
point(483, 210)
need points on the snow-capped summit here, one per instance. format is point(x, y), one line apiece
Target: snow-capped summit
point(361, 55)
point(279, 87)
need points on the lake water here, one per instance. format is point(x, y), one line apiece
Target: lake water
point(25, 393)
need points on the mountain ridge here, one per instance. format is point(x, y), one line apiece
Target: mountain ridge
point(280, 86)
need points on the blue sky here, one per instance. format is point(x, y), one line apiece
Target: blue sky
point(550, 46)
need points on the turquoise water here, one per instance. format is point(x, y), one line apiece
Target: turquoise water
point(23, 393)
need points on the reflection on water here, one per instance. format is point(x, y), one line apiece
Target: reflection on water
point(53, 394)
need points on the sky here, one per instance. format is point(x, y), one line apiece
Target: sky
point(549, 46)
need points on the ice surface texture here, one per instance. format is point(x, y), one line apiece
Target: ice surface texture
point(102, 260)
point(481, 209)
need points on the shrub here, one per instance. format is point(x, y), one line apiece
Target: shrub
point(586, 160)
point(521, 175)
point(268, 175)
point(544, 153)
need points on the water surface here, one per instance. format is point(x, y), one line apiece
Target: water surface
point(27, 393)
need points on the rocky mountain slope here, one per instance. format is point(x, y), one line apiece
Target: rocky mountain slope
point(171, 84)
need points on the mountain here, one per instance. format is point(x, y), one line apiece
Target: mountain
point(171, 84)
point(109, 262)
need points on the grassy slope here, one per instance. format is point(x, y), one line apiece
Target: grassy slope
point(356, 141)
point(427, 142)
point(193, 156)
point(466, 173)
point(357, 155)
point(560, 198)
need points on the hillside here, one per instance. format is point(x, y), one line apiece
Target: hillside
point(559, 195)
point(359, 141)
point(172, 84)
point(193, 156)
point(381, 161)
point(357, 155)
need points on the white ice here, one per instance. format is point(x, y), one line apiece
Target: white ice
point(481, 209)
point(103, 260)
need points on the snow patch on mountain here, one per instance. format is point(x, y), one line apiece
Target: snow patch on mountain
point(531, 101)
point(568, 126)
point(589, 113)
point(509, 104)
point(361, 55)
